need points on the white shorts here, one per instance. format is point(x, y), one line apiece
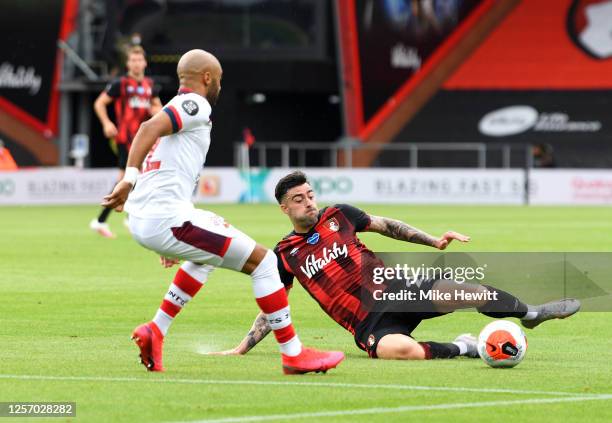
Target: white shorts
point(197, 236)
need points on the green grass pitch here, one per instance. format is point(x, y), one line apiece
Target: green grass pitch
point(71, 299)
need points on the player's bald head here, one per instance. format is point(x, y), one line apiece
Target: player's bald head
point(197, 62)
point(200, 71)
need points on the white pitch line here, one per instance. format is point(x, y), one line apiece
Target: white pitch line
point(292, 383)
point(403, 409)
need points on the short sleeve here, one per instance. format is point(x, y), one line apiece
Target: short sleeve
point(359, 218)
point(113, 88)
point(188, 112)
point(285, 275)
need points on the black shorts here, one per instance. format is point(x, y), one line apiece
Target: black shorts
point(122, 155)
point(380, 323)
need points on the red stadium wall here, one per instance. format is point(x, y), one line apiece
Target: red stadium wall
point(532, 72)
point(538, 47)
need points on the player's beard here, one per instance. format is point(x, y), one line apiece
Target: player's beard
point(213, 93)
point(308, 220)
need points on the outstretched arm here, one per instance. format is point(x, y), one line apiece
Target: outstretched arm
point(402, 231)
point(148, 133)
point(258, 331)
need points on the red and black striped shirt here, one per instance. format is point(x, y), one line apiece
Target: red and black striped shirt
point(330, 261)
point(132, 105)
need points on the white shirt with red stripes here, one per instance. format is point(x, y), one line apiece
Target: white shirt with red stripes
point(171, 170)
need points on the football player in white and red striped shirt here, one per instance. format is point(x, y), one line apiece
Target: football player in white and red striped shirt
point(163, 219)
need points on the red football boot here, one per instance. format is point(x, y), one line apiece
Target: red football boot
point(151, 342)
point(311, 360)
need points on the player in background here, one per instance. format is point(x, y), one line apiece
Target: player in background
point(324, 254)
point(136, 99)
point(163, 219)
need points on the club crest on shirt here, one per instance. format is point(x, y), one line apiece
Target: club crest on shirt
point(332, 224)
point(313, 239)
point(190, 107)
point(371, 340)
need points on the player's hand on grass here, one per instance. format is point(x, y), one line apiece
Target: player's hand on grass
point(118, 197)
point(110, 130)
point(448, 237)
point(168, 262)
point(233, 351)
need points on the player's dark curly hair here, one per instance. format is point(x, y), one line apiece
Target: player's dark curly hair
point(293, 179)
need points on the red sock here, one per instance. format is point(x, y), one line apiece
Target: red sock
point(181, 291)
point(276, 308)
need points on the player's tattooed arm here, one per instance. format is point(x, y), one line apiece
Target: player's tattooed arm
point(402, 231)
point(258, 331)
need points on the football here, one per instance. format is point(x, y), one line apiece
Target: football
point(502, 344)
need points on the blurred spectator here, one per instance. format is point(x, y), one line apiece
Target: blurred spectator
point(135, 98)
point(6, 159)
point(543, 155)
point(123, 47)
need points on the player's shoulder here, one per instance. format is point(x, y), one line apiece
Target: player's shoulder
point(192, 104)
point(338, 208)
point(116, 81)
point(288, 240)
point(113, 87)
point(357, 217)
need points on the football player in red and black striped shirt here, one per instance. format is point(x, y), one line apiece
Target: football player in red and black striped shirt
point(324, 254)
point(136, 99)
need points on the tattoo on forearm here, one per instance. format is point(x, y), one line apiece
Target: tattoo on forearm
point(402, 231)
point(260, 329)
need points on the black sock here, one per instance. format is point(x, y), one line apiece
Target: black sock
point(104, 214)
point(437, 350)
point(506, 305)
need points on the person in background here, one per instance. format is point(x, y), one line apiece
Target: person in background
point(543, 156)
point(136, 99)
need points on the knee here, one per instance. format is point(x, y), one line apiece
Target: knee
point(199, 272)
point(413, 351)
point(403, 350)
point(265, 277)
point(267, 266)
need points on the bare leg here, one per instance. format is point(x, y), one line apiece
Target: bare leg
point(397, 346)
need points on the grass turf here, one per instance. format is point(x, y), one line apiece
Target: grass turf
point(72, 298)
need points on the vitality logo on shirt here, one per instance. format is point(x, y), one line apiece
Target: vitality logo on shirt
point(314, 264)
point(136, 102)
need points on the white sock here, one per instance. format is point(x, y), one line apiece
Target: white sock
point(531, 313)
point(163, 321)
point(291, 348)
point(462, 347)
